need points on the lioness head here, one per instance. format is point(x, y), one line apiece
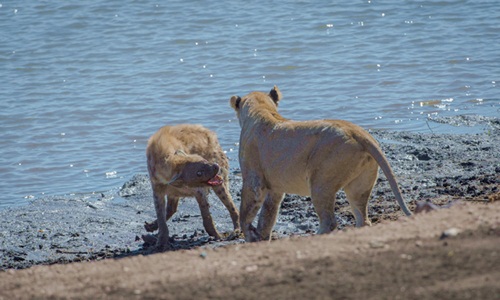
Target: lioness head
point(194, 171)
point(256, 102)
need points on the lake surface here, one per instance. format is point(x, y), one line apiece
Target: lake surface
point(83, 84)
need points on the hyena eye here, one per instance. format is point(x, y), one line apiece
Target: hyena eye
point(199, 173)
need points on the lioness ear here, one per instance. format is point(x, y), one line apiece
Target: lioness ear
point(275, 94)
point(235, 102)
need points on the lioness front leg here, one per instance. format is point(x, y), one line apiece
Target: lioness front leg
point(268, 214)
point(208, 223)
point(251, 201)
point(172, 203)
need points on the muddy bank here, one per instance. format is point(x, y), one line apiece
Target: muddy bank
point(445, 254)
point(430, 167)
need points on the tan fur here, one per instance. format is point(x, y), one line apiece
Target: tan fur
point(180, 161)
point(308, 158)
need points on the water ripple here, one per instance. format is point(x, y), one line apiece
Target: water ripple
point(83, 85)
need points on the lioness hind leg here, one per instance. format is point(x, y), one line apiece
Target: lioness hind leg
point(358, 193)
point(268, 214)
point(251, 201)
point(324, 204)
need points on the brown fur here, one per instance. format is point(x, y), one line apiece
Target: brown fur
point(186, 161)
point(308, 158)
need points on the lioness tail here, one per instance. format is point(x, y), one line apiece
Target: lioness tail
point(377, 154)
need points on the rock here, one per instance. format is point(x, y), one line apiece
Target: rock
point(425, 206)
point(450, 232)
point(377, 244)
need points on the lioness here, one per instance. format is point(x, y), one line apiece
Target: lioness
point(186, 161)
point(308, 158)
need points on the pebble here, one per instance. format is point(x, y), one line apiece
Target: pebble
point(252, 268)
point(377, 244)
point(406, 256)
point(450, 232)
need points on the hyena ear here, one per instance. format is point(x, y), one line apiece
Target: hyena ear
point(235, 102)
point(180, 152)
point(275, 94)
point(174, 178)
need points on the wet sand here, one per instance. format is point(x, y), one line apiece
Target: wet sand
point(89, 246)
point(438, 168)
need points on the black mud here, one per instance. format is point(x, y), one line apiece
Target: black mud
point(441, 168)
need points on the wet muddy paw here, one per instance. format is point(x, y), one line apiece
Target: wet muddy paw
point(236, 234)
point(213, 239)
point(151, 226)
point(216, 237)
point(149, 240)
point(253, 235)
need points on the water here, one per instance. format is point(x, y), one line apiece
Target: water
point(83, 84)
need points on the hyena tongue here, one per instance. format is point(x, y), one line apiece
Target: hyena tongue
point(216, 180)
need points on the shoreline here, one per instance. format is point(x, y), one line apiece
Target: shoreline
point(441, 168)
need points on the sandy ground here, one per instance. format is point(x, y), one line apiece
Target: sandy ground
point(89, 246)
